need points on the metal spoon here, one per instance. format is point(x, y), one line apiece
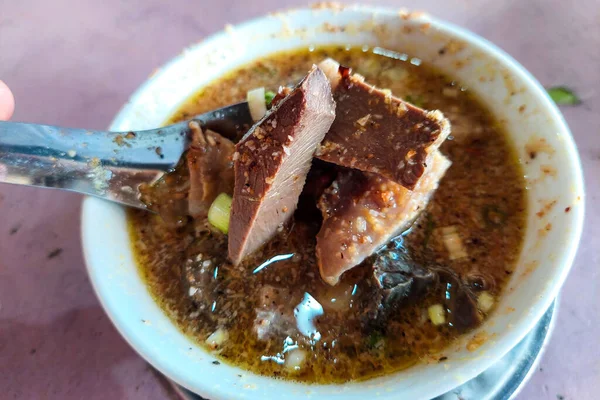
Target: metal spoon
point(110, 165)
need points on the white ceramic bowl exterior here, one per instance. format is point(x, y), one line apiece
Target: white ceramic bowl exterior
point(554, 183)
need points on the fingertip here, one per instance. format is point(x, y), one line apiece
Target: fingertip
point(7, 102)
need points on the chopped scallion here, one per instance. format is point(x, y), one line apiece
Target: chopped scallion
point(256, 103)
point(415, 100)
point(437, 314)
point(217, 338)
point(453, 243)
point(563, 96)
point(218, 213)
point(269, 96)
point(485, 301)
point(429, 227)
point(375, 340)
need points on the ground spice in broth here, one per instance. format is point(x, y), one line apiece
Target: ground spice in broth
point(481, 199)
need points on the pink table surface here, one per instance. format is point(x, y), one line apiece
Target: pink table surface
point(74, 63)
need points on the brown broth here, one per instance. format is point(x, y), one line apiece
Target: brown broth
point(482, 195)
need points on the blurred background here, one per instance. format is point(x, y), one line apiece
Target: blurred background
point(75, 63)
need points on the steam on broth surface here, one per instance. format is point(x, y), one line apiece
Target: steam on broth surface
point(273, 315)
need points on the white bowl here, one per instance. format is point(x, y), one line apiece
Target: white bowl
point(503, 84)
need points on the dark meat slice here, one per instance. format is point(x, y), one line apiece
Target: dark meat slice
point(210, 164)
point(461, 301)
point(400, 280)
point(458, 297)
point(271, 163)
point(398, 276)
point(363, 211)
point(376, 132)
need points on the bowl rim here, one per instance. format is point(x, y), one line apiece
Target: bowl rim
point(507, 341)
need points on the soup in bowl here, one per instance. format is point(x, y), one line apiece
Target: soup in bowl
point(283, 265)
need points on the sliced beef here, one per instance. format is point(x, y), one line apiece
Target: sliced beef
point(191, 190)
point(376, 132)
point(281, 94)
point(271, 163)
point(210, 164)
point(363, 211)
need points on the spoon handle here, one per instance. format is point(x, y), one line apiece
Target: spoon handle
point(104, 164)
point(110, 165)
